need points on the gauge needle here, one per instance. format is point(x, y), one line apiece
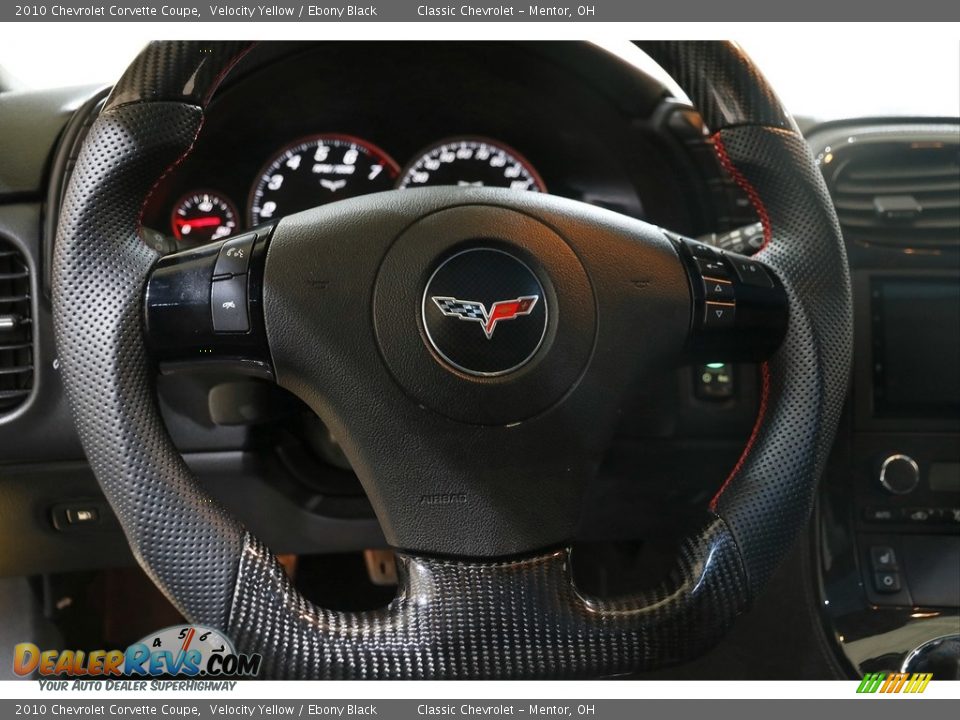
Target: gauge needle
point(199, 222)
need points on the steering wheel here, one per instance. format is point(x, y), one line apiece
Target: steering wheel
point(471, 349)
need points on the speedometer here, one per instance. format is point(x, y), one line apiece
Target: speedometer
point(319, 170)
point(472, 162)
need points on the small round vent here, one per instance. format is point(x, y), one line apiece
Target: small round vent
point(16, 329)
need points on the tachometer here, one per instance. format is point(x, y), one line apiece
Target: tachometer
point(471, 162)
point(203, 216)
point(319, 170)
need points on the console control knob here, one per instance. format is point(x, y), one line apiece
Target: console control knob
point(899, 474)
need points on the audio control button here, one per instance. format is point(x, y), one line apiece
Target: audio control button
point(718, 290)
point(718, 315)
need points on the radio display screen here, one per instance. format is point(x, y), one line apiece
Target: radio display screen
point(916, 346)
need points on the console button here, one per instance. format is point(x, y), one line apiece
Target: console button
point(883, 558)
point(713, 381)
point(887, 582)
point(718, 315)
point(922, 515)
point(880, 514)
point(751, 273)
point(228, 305)
point(718, 290)
point(86, 515)
point(234, 256)
point(81, 516)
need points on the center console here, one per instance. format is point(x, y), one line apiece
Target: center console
point(888, 520)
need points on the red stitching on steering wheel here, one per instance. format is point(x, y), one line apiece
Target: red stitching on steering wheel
point(761, 211)
point(744, 185)
point(757, 424)
point(183, 156)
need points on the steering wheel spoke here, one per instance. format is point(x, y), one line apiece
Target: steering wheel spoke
point(203, 307)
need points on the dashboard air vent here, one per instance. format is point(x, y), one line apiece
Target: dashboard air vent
point(16, 329)
point(903, 193)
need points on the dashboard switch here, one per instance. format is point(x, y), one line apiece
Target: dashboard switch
point(886, 582)
point(228, 305)
point(921, 515)
point(881, 514)
point(713, 381)
point(234, 256)
point(83, 515)
point(883, 558)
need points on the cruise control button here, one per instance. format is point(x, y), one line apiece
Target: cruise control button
point(883, 558)
point(712, 268)
point(718, 290)
point(228, 305)
point(887, 582)
point(718, 315)
point(234, 256)
point(751, 273)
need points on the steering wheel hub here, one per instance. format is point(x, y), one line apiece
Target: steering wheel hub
point(506, 322)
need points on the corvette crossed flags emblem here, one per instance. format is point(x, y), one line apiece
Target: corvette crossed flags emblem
point(477, 312)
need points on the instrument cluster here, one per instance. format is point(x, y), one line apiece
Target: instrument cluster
point(324, 168)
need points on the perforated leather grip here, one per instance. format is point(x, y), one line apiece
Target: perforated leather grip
point(768, 499)
point(452, 618)
point(769, 495)
point(187, 544)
